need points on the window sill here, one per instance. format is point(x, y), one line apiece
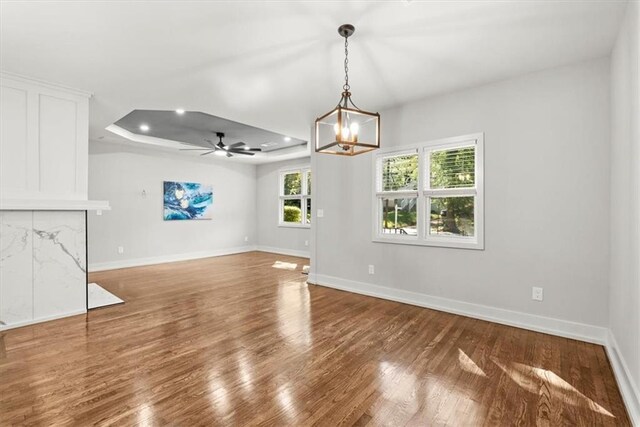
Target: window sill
point(293, 225)
point(414, 241)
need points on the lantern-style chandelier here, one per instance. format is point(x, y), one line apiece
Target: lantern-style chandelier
point(347, 130)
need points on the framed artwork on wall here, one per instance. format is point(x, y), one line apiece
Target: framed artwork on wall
point(187, 201)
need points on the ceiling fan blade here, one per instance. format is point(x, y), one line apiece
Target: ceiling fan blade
point(245, 149)
point(243, 152)
point(208, 152)
point(229, 154)
point(236, 144)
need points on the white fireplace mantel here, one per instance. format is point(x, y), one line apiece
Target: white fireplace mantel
point(53, 205)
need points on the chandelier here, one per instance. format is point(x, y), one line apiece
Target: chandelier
point(347, 130)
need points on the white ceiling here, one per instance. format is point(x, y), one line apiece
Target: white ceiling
point(278, 65)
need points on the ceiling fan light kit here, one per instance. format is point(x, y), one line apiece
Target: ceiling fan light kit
point(347, 130)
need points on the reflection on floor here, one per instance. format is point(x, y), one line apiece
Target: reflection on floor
point(100, 297)
point(233, 341)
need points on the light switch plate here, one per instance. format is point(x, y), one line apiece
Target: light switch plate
point(320, 213)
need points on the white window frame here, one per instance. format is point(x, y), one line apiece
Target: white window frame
point(303, 197)
point(424, 193)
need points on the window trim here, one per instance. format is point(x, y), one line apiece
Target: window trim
point(423, 194)
point(303, 196)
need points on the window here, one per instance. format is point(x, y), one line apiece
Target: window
point(431, 194)
point(398, 195)
point(295, 198)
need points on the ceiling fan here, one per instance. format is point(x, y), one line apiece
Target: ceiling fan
point(221, 149)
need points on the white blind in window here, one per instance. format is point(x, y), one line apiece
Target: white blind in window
point(400, 173)
point(452, 168)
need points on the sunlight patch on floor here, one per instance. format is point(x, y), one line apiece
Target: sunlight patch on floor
point(552, 378)
point(469, 365)
point(532, 379)
point(284, 265)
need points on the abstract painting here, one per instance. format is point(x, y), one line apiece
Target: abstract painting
point(187, 200)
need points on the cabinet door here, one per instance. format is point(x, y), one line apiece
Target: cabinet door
point(44, 140)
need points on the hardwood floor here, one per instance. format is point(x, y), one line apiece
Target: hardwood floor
point(242, 340)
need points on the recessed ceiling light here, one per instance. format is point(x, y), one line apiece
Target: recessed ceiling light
point(287, 138)
point(180, 111)
point(268, 144)
point(144, 127)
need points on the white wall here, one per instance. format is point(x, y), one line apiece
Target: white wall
point(271, 236)
point(546, 203)
point(624, 296)
point(136, 222)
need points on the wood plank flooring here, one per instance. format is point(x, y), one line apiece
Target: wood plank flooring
point(243, 340)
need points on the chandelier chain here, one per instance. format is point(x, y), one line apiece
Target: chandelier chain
point(346, 86)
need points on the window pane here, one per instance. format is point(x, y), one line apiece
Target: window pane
point(400, 173)
point(399, 216)
point(308, 211)
point(454, 168)
point(292, 211)
point(309, 182)
point(292, 183)
point(452, 216)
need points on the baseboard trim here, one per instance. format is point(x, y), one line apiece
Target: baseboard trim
point(283, 251)
point(628, 389)
point(42, 319)
point(559, 327)
point(139, 262)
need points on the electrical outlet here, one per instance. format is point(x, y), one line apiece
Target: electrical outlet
point(320, 213)
point(246, 238)
point(537, 294)
point(306, 243)
point(120, 249)
point(371, 269)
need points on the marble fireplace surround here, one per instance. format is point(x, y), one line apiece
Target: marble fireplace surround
point(43, 260)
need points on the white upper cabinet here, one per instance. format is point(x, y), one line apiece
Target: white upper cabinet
point(44, 140)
